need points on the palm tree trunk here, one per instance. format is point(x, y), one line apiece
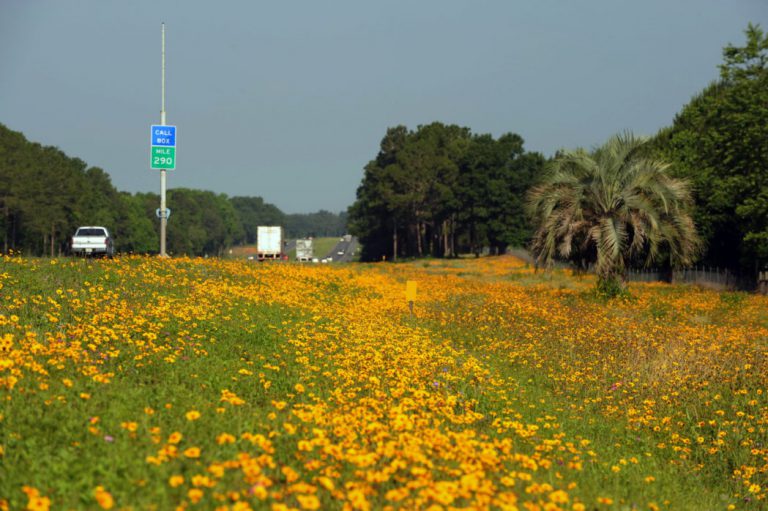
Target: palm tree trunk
point(611, 283)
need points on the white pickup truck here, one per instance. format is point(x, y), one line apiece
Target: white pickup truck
point(92, 240)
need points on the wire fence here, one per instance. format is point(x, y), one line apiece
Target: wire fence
point(720, 278)
point(707, 276)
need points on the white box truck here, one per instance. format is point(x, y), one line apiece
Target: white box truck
point(269, 242)
point(304, 251)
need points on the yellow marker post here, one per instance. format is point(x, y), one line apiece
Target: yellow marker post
point(410, 294)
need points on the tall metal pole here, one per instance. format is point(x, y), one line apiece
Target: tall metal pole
point(163, 218)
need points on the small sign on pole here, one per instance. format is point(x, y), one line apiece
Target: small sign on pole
point(163, 146)
point(163, 135)
point(159, 213)
point(410, 294)
point(163, 158)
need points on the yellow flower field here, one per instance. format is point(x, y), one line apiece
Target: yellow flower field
point(144, 383)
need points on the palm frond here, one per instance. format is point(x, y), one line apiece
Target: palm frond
point(614, 203)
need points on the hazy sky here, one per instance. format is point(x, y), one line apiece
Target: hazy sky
point(289, 100)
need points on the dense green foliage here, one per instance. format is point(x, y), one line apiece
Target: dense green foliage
point(45, 195)
point(253, 211)
point(316, 225)
point(441, 190)
point(719, 141)
point(609, 208)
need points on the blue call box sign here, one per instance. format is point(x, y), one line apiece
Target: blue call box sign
point(163, 135)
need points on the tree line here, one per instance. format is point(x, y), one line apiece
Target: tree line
point(441, 190)
point(45, 195)
point(719, 143)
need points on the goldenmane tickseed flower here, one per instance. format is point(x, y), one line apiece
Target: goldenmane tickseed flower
point(259, 491)
point(192, 452)
point(290, 474)
point(38, 504)
point(129, 426)
point(397, 494)
point(225, 438)
point(103, 498)
point(309, 502)
point(192, 415)
point(231, 398)
point(326, 483)
point(36, 501)
point(423, 401)
point(195, 495)
point(358, 500)
point(6, 344)
point(558, 497)
point(202, 480)
point(216, 470)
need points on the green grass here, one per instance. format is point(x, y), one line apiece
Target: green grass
point(66, 436)
point(614, 443)
point(64, 433)
point(64, 458)
point(324, 245)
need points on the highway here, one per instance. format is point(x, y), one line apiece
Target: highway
point(343, 251)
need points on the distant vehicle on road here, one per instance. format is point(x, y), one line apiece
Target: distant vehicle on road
point(269, 243)
point(304, 250)
point(93, 240)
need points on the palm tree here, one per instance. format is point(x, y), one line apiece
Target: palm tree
point(610, 207)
